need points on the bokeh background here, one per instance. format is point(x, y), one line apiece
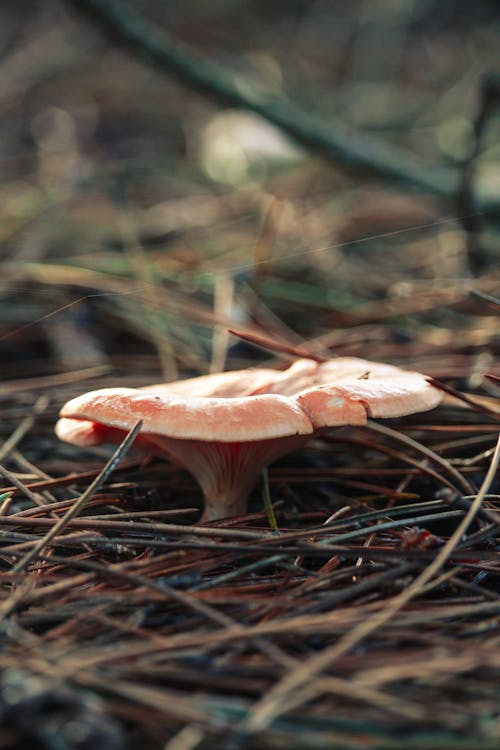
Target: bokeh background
point(170, 216)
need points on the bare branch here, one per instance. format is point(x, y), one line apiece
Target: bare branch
point(333, 141)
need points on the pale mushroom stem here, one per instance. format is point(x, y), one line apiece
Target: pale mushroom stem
point(225, 505)
point(226, 472)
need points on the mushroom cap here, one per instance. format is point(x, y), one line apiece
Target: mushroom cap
point(226, 420)
point(254, 404)
point(84, 432)
point(352, 401)
point(221, 384)
point(226, 428)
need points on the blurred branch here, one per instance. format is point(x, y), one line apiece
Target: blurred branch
point(489, 100)
point(346, 147)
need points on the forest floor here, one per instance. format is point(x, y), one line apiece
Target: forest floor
point(128, 249)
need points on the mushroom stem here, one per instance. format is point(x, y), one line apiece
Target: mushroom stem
point(226, 472)
point(232, 503)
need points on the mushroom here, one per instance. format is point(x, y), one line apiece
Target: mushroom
point(226, 428)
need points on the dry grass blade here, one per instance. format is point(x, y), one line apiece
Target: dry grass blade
point(18, 485)
point(384, 430)
point(276, 346)
point(72, 478)
point(474, 403)
point(122, 449)
point(274, 702)
point(489, 298)
point(24, 427)
point(8, 388)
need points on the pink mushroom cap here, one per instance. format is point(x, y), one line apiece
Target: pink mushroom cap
point(226, 428)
